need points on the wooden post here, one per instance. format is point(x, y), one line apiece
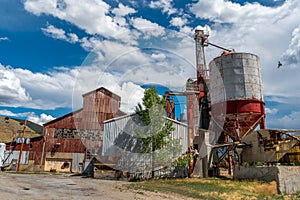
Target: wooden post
point(21, 149)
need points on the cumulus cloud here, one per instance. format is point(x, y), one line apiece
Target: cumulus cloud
point(72, 37)
point(92, 16)
point(111, 52)
point(147, 27)
point(270, 111)
point(158, 56)
point(222, 11)
point(131, 95)
point(60, 34)
point(165, 5)
point(286, 122)
point(292, 55)
point(123, 10)
point(12, 92)
point(178, 21)
point(21, 87)
point(31, 116)
point(8, 113)
point(40, 119)
point(55, 32)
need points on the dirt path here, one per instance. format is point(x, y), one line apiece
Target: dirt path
point(37, 186)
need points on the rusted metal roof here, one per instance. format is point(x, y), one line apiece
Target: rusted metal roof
point(104, 91)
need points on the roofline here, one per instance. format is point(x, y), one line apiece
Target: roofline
point(64, 116)
point(115, 96)
point(117, 118)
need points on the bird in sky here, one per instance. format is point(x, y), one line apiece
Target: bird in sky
point(279, 64)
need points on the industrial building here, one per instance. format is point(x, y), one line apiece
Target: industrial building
point(122, 142)
point(72, 140)
point(24, 154)
point(22, 141)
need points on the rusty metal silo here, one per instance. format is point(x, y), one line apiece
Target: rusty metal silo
point(236, 94)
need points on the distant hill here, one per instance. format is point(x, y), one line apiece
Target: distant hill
point(35, 127)
point(12, 128)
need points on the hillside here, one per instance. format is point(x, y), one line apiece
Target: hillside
point(12, 128)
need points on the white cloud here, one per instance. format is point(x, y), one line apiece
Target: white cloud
point(41, 119)
point(178, 21)
point(72, 38)
point(31, 116)
point(4, 38)
point(92, 16)
point(290, 121)
point(12, 92)
point(55, 32)
point(131, 94)
point(8, 113)
point(21, 87)
point(159, 56)
point(271, 111)
point(165, 5)
point(60, 34)
point(292, 55)
point(147, 27)
point(110, 52)
point(123, 10)
point(222, 11)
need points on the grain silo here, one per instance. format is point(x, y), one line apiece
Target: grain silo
point(236, 94)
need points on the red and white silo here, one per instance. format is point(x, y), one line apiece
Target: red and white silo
point(236, 94)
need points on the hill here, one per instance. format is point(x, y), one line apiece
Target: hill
point(12, 128)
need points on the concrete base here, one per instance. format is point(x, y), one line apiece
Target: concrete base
point(286, 177)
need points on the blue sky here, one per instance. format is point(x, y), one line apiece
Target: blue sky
point(53, 51)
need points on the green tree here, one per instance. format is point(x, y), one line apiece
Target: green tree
point(156, 134)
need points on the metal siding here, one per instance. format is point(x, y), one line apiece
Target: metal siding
point(113, 128)
point(241, 75)
point(15, 155)
point(76, 160)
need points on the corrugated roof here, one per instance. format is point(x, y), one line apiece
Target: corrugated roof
point(105, 91)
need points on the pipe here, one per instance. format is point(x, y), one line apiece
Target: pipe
point(22, 144)
point(219, 47)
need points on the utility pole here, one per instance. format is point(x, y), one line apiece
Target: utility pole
point(22, 144)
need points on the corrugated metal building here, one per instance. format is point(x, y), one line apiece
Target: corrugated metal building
point(31, 154)
point(122, 144)
point(69, 138)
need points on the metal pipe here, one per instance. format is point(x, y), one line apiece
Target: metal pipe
point(219, 47)
point(21, 149)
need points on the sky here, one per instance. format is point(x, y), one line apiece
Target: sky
point(53, 51)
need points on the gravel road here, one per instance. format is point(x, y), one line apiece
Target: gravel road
point(46, 186)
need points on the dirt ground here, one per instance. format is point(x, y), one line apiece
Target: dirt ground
point(47, 186)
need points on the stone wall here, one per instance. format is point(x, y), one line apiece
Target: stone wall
point(286, 177)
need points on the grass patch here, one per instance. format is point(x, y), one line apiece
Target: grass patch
point(212, 189)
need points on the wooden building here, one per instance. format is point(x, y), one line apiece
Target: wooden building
point(71, 138)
